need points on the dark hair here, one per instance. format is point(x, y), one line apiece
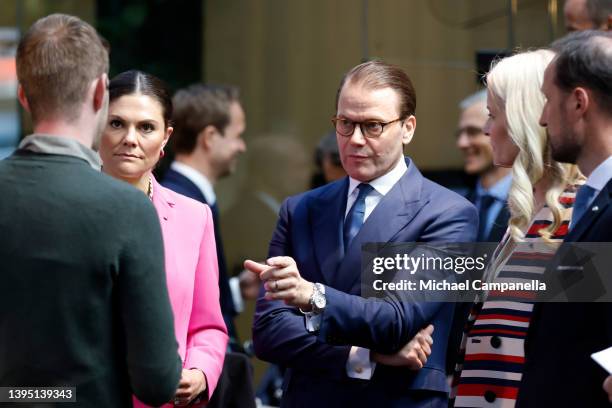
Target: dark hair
point(57, 59)
point(585, 60)
point(138, 82)
point(598, 11)
point(379, 74)
point(197, 107)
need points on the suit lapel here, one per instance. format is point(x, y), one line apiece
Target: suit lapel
point(394, 211)
point(591, 215)
point(327, 214)
point(164, 205)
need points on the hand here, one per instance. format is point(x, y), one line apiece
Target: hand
point(249, 284)
point(192, 384)
point(413, 355)
point(282, 281)
point(607, 386)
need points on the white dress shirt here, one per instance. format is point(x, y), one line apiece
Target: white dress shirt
point(600, 177)
point(198, 179)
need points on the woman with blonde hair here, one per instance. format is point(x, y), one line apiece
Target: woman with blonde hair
point(540, 202)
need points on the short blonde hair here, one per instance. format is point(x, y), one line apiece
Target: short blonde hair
point(515, 82)
point(57, 59)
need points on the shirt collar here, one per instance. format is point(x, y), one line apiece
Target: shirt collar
point(499, 190)
point(384, 183)
point(198, 179)
point(60, 145)
point(601, 175)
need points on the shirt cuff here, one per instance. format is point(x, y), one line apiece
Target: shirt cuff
point(359, 365)
point(234, 284)
point(313, 321)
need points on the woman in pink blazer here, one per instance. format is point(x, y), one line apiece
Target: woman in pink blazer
point(133, 140)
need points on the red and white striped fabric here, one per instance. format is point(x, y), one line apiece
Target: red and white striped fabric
point(489, 374)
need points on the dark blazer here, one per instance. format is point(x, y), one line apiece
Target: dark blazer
point(310, 230)
point(500, 225)
point(83, 298)
point(559, 371)
point(178, 183)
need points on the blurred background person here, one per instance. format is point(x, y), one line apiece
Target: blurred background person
point(208, 122)
point(328, 166)
point(136, 132)
point(490, 193)
point(540, 202)
point(84, 300)
point(587, 15)
point(277, 167)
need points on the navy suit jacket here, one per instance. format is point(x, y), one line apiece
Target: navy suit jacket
point(558, 368)
point(310, 231)
point(178, 183)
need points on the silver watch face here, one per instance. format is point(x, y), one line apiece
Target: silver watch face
point(319, 300)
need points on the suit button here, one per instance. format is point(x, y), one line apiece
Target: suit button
point(496, 342)
point(490, 396)
point(359, 369)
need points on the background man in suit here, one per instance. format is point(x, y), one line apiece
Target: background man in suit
point(84, 298)
point(208, 124)
point(491, 191)
point(315, 262)
point(578, 118)
point(587, 15)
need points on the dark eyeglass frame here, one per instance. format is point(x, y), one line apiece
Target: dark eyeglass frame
point(470, 131)
point(364, 132)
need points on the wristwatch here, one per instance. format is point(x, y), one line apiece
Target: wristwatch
point(318, 300)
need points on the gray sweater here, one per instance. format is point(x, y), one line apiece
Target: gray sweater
point(83, 296)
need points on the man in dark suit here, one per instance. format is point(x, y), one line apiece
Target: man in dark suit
point(578, 117)
point(83, 296)
point(490, 193)
point(208, 123)
point(312, 319)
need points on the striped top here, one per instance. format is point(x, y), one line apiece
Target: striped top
point(490, 364)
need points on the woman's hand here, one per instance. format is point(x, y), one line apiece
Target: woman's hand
point(413, 355)
point(192, 384)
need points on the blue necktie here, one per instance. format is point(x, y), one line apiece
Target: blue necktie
point(355, 216)
point(486, 201)
point(583, 197)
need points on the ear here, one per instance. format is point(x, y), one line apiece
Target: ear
point(99, 92)
point(408, 129)
point(169, 131)
point(207, 136)
point(23, 100)
point(581, 101)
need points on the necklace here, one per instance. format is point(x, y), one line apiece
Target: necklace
point(150, 192)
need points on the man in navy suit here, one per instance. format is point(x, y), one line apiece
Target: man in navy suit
point(578, 119)
point(312, 319)
point(208, 123)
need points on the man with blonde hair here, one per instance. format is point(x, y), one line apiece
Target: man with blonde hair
point(83, 300)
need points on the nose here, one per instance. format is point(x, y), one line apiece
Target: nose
point(543, 121)
point(487, 128)
point(463, 141)
point(242, 145)
point(357, 138)
point(131, 138)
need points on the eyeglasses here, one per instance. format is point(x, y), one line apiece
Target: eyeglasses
point(369, 128)
point(471, 131)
